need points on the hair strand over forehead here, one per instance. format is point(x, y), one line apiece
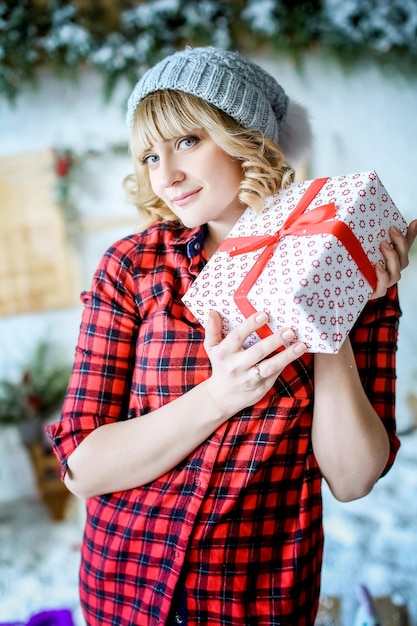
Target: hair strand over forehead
point(163, 115)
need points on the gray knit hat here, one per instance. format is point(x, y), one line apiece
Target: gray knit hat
point(234, 85)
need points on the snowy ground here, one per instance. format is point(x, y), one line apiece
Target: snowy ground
point(374, 540)
point(38, 562)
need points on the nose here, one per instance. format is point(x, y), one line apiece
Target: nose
point(170, 173)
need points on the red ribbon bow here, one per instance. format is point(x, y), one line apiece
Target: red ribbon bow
point(300, 223)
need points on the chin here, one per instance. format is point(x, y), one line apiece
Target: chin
point(191, 222)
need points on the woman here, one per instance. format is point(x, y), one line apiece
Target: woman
point(202, 462)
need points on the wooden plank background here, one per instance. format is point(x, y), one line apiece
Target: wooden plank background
point(37, 265)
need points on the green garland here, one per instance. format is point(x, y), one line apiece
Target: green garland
point(70, 35)
point(68, 168)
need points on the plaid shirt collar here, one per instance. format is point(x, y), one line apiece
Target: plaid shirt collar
point(194, 241)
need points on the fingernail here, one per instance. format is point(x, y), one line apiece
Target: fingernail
point(287, 334)
point(300, 347)
point(261, 317)
point(395, 230)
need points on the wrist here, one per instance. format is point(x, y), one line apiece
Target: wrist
point(218, 407)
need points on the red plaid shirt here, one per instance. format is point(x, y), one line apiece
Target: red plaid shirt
point(241, 517)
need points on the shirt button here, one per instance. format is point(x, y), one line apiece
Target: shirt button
point(178, 619)
point(197, 247)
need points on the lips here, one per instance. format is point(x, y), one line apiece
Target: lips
point(185, 197)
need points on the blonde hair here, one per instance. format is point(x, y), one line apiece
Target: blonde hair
point(167, 114)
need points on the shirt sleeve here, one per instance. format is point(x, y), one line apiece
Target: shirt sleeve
point(374, 340)
point(99, 387)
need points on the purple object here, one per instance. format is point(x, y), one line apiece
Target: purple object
point(60, 617)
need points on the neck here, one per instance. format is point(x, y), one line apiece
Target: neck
point(216, 233)
point(213, 239)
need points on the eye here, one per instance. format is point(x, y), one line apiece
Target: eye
point(187, 142)
point(150, 159)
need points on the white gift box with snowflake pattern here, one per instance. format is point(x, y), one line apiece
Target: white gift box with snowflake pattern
point(307, 260)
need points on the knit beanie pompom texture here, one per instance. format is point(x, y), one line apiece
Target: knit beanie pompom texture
point(235, 85)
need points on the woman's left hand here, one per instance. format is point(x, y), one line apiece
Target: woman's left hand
point(396, 258)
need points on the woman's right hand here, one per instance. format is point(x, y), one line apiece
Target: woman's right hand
point(241, 377)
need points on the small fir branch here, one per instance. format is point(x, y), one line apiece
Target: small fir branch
point(39, 389)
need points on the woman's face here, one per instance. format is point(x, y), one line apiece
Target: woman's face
point(196, 179)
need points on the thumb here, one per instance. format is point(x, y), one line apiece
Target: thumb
point(213, 330)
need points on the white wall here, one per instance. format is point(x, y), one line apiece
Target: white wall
point(363, 120)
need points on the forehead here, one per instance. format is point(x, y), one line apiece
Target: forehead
point(160, 117)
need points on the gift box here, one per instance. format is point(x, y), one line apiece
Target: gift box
point(307, 259)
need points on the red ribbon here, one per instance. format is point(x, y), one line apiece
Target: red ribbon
point(299, 223)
